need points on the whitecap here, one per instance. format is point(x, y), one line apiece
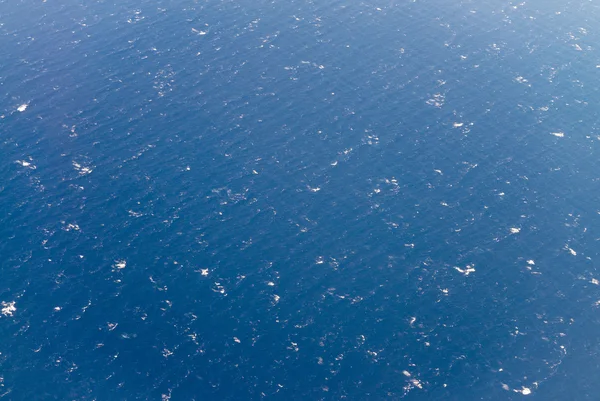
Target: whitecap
point(8, 308)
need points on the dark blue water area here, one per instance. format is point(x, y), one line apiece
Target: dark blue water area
point(299, 200)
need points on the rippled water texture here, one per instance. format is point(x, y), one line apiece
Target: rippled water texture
point(299, 200)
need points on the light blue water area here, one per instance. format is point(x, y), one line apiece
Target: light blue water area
point(299, 200)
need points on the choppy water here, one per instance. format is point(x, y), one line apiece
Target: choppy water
point(302, 200)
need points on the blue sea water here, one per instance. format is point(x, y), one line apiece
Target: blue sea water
point(299, 200)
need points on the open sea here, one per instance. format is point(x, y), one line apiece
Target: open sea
point(299, 200)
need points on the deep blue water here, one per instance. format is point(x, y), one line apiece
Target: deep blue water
point(299, 200)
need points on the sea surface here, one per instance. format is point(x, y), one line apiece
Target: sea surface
point(299, 200)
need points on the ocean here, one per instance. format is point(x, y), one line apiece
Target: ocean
point(299, 200)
